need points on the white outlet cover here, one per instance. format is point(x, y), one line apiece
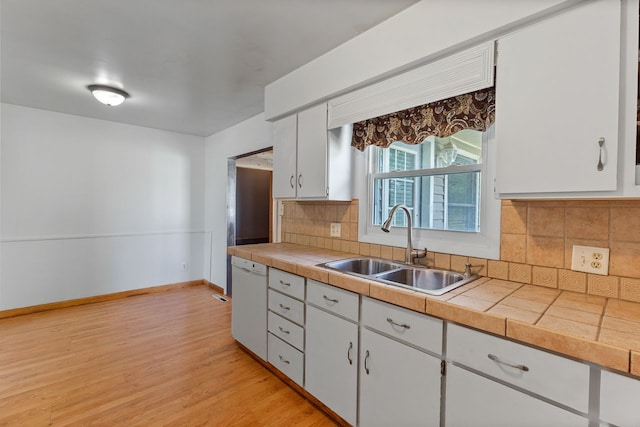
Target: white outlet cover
point(336, 229)
point(590, 259)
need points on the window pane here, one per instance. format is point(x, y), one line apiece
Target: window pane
point(439, 202)
point(463, 148)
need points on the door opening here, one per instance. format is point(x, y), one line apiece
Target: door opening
point(249, 201)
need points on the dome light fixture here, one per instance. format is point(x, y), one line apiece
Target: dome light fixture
point(108, 95)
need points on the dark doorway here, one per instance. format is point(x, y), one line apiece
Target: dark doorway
point(253, 206)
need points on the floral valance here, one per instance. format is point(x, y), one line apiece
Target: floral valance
point(475, 110)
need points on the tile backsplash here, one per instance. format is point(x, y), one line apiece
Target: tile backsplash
point(537, 238)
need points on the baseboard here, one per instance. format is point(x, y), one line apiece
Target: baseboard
point(213, 286)
point(100, 298)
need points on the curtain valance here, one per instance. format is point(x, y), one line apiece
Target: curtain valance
point(475, 110)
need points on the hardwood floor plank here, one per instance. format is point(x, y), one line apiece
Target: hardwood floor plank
point(164, 358)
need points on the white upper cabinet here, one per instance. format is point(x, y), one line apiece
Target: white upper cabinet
point(310, 162)
point(312, 152)
point(285, 153)
point(557, 96)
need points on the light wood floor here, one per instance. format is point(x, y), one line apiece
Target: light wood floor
point(158, 359)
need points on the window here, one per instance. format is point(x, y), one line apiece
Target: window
point(439, 181)
point(449, 196)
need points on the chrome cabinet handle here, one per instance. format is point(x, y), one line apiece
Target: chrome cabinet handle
point(284, 331)
point(495, 358)
point(400, 325)
point(326, 298)
point(283, 284)
point(284, 307)
point(300, 180)
point(291, 181)
point(283, 360)
point(600, 164)
point(349, 353)
point(366, 365)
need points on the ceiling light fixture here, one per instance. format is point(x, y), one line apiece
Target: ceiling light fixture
point(108, 95)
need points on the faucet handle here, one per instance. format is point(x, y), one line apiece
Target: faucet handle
point(467, 269)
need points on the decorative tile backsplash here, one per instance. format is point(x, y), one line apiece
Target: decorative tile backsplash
point(537, 239)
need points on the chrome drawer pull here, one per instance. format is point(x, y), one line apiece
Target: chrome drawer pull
point(283, 360)
point(495, 358)
point(600, 166)
point(284, 331)
point(284, 307)
point(285, 283)
point(400, 325)
point(291, 182)
point(366, 365)
point(349, 353)
point(326, 298)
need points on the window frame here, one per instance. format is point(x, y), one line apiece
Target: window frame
point(482, 244)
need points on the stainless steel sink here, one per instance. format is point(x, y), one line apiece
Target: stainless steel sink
point(418, 278)
point(362, 266)
point(435, 282)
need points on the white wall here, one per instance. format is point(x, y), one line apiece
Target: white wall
point(92, 207)
point(425, 31)
point(251, 135)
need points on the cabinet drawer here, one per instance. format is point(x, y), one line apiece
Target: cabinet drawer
point(286, 307)
point(286, 358)
point(335, 300)
point(415, 328)
point(619, 399)
point(286, 283)
point(554, 377)
point(286, 330)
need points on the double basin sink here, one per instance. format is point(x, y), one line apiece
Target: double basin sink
point(418, 278)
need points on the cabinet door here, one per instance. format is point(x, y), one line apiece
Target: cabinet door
point(331, 362)
point(312, 152)
point(557, 94)
point(399, 385)
point(472, 400)
point(619, 396)
point(284, 157)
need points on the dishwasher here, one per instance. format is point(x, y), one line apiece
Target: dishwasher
point(249, 305)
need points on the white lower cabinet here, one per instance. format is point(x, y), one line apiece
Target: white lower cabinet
point(285, 324)
point(331, 362)
point(619, 399)
point(472, 400)
point(286, 358)
point(399, 385)
point(507, 377)
point(556, 378)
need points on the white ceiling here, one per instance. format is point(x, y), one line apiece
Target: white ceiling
point(191, 66)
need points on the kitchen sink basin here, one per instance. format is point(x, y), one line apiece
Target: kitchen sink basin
point(418, 278)
point(363, 266)
point(435, 282)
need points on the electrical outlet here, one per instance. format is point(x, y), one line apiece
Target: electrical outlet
point(185, 266)
point(590, 259)
point(336, 229)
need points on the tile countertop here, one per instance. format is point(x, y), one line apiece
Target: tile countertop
point(594, 329)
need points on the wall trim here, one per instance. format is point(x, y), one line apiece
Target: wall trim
point(96, 236)
point(101, 298)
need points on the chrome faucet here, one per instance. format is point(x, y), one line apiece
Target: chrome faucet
point(410, 253)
